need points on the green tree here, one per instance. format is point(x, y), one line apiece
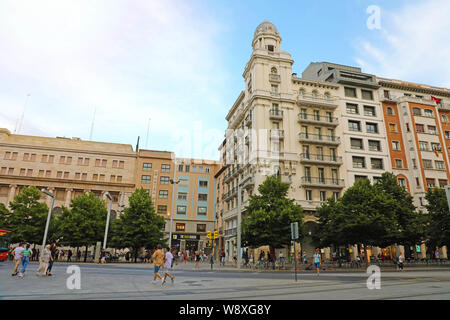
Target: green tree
point(4, 217)
point(365, 214)
point(28, 216)
point(269, 215)
point(410, 222)
point(438, 230)
point(84, 223)
point(139, 226)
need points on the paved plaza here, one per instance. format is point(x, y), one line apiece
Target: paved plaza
point(133, 281)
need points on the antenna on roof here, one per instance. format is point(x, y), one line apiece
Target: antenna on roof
point(92, 126)
point(148, 128)
point(20, 122)
point(137, 145)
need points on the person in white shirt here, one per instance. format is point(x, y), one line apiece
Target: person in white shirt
point(167, 265)
point(17, 258)
point(400, 261)
point(43, 261)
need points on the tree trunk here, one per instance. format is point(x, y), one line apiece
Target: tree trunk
point(365, 255)
point(85, 254)
point(274, 258)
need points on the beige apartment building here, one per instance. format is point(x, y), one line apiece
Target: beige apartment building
point(67, 167)
point(324, 131)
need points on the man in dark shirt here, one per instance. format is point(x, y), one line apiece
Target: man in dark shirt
point(52, 258)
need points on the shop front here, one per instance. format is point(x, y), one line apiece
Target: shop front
point(186, 242)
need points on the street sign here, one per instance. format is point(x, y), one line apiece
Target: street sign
point(294, 230)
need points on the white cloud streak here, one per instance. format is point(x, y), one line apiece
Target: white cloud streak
point(131, 60)
point(413, 44)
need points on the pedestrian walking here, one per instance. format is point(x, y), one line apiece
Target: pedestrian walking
point(17, 254)
point(168, 264)
point(317, 260)
point(53, 255)
point(158, 261)
point(197, 259)
point(69, 256)
point(43, 261)
point(222, 257)
point(26, 255)
point(400, 262)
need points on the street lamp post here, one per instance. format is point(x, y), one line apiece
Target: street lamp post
point(52, 196)
point(107, 219)
point(173, 182)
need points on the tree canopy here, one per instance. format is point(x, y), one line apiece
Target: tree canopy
point(439, 217)
point(269, 215)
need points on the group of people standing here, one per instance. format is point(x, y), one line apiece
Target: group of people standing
point(22, 255)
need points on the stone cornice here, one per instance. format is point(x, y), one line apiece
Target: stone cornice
point(407, 86)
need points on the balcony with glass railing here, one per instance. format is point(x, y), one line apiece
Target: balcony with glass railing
point(316, 119)
point(276, 114)
point(320, 159)
point(322, 182)
point(320, 101)
point(319, 138)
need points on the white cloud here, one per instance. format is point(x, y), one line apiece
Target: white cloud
point(131, 60)
point(413, 44)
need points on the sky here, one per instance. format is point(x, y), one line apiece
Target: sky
point(168, 71)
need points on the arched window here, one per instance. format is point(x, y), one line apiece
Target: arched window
point(301, 92)
point(326, 95)
point(390, 111)
point(314, 94)
point(273, 70)
point(444, 118)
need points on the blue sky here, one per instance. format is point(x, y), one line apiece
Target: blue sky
point(180, 63)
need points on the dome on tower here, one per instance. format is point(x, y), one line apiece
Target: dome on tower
point(266, 27)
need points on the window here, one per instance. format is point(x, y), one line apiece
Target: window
point(428, 113)
point(203, 184)
point(374, 145)
point(206, 170)
point(146, 179)
point(414, 163)
point(202, 211)
point(442, 183)
point(180, 227)
point(444, 118)
point(447, 134)
point(187, 168)
point(48, 173)
point(392, 127)
point(26, 156)
point(350, 92)
point(182, 196)
point(104, 161)
point(423, 146)
point(367, 94)
point(435, 146)
point(84, 176)
point(164, 180)
point(399, 163)
point(270, 48)
point(359, 162)
point(371, 127)
point(115, 163)
point(95, 177)
point(80, 161)
point(354, 125)
point(427, 164)
point(360, 178)
point(180, 168)
point(59, 174)
point(62, 159)
point(97, 162)
point(308, 194)
point(356, 143)
point(323, 195)
point(336, 195)
point(420, 128)
point(352, 108)
point(417, 111)
point(181, 209)
point(390, 111)
point(402, 182)
point(376, 163)
point(274, 88)
point(431, 183)
point(201, 228)
point(66, 175)
point(162, 209)
point(432, 130)
point(440, 165)
point(163, 194)
point(165, 168)
point(69, 160)
point(29, 172)
point(395, 145)
point(202, 197)
point(146, 166)
point(121, 164)
point(369, 111)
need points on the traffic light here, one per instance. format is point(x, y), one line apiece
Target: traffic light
point(209, 235)
point(216, 234)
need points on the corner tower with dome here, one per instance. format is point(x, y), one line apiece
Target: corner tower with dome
point(263, 135)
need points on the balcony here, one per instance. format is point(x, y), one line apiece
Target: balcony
point(320, 159)
point(315, 119)
point(248, 181)
point(310, 204)
point(274, 78)
point(316, 101)
point(319, 139)
point(276, 114)
point(286, 179)
point(229, 194)
point(276, 134)
point(322, 182)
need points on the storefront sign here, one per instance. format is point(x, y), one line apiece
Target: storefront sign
point(186, 236)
